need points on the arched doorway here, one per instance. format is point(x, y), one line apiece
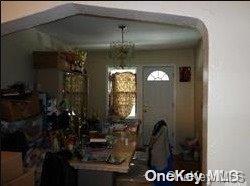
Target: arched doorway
point(72, 9)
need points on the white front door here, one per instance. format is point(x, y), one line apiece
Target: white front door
point(158, 96)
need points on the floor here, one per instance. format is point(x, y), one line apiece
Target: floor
point(179, 164)
point(188, 166)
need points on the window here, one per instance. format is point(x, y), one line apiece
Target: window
point(158, 75)
point(122, 93)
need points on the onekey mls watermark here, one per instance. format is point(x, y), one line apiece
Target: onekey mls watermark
point(232, 176)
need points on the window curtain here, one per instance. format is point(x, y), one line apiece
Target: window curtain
point(123, 93)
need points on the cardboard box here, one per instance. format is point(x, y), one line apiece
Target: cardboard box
point(26, 179)
point(19, 109)
point(11, 165)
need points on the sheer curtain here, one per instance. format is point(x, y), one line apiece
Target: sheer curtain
point(123, 93)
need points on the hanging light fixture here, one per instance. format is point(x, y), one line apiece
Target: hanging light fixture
point(121, 51)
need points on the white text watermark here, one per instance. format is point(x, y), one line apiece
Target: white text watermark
point(232, 176)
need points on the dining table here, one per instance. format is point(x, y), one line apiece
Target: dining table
point(102, 172)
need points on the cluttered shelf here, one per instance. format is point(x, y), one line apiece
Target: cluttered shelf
point(22, 127)
point(68, 61)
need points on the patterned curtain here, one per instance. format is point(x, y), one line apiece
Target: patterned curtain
point(74, 92)
point(123, 90)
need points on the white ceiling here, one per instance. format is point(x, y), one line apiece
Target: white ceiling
point(96, 33)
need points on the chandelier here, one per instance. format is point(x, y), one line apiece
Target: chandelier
point(121, 51)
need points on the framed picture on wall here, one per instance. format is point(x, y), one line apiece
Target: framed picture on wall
point(185, 74)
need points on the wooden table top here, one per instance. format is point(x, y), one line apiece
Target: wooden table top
point(121, 149)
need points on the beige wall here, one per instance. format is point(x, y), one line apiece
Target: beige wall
point(228, 78)
point(98, 62)
point(16, 58)
point(18, 62)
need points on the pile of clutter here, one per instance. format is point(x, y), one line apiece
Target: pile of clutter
point(16, 89)
point(190, 149)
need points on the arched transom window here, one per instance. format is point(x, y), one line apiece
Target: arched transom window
point(158, 75)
